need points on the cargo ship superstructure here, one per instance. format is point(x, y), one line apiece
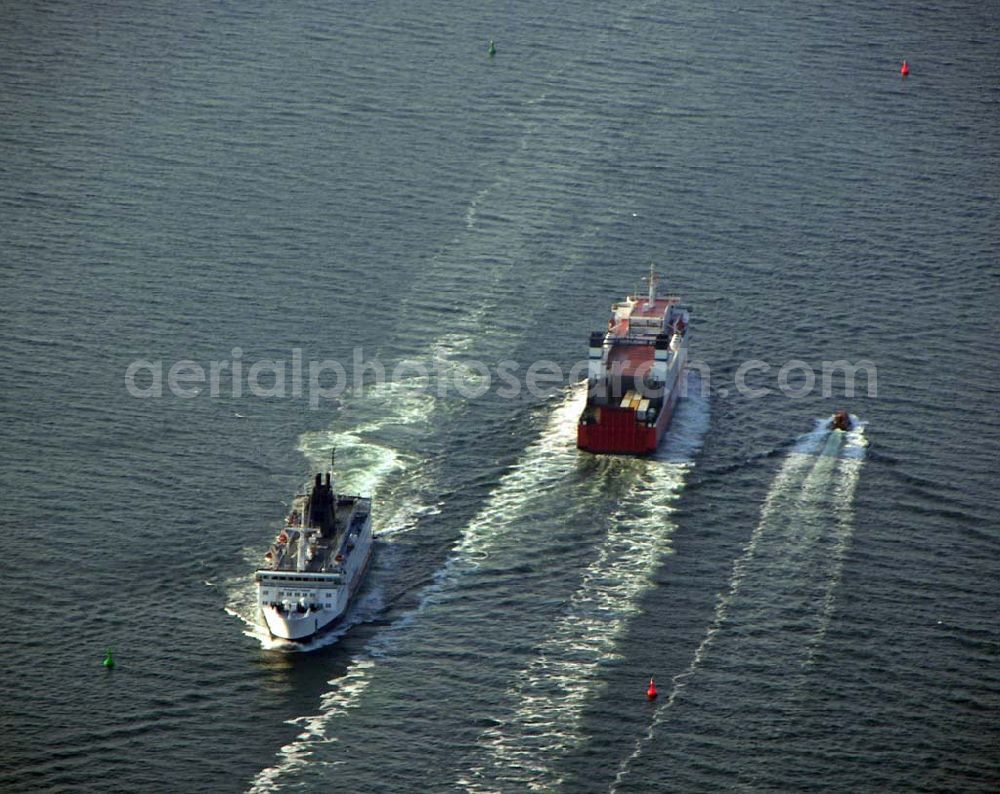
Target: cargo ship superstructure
point(635, 374)
point(317, 562)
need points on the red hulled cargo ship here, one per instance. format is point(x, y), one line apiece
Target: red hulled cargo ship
point(635, 374)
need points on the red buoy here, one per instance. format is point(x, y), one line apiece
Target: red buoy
point(651, 693)
point(904, 69)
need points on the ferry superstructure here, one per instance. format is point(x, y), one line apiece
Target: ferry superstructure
point(316, 564)
point(635, 374)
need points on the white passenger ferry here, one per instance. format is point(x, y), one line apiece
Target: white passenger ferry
point(316, 564)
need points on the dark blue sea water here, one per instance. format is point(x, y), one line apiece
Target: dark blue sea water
point(182, 180)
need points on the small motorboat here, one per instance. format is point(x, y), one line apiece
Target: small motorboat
point(841, 421)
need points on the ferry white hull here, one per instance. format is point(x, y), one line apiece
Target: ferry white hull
point(296, 606)
point(299, 628)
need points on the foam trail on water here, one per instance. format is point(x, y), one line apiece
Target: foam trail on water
point(552, 692)
point(812, 471)
point(364, 464)
point(346, 693)
point(541, 469)
point(462, 257)
point(849, 472)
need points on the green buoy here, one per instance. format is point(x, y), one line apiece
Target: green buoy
point(493, 48)
point(108, 661)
